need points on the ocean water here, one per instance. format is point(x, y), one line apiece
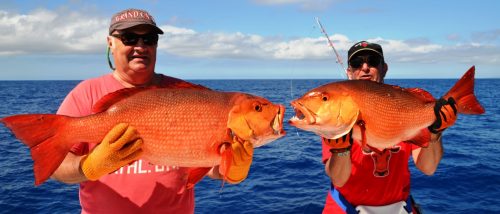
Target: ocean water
point(287, 176)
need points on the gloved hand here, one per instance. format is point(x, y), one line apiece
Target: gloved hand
point(446, 115)
point(119, 147)
point(341, 144)
point(242, 159)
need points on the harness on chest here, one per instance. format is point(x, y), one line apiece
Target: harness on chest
point(401, 207)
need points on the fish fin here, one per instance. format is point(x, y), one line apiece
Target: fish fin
point(226, 161)
point(397, 87)
point(184, 84)
point(421, 94)
point(238, 125)
point(195, 175)
point(172, 82)
point(422, 139)
point(463, 93)
point(362, 127)
point(109, 99)
point(43, 135)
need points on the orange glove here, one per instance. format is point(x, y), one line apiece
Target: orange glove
point(242, 159)
point(119, 147)
point(339, 145)
point(446, 115)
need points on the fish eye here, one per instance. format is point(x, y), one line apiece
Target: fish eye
point(324, 97)
point(258, 107)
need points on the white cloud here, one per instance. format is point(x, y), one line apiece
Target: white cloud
point(61, 32)
point(189, 43)
point(45, 31)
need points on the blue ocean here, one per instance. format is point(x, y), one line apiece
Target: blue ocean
point(287, 176)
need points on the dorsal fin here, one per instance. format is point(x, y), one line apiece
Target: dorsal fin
point(183, 84)
point(109, 99)
point(165, 82)
point(417, 92)
point(172, 82)
point(421, 94)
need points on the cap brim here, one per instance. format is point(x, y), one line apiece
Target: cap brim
point(123, 26)
point(365, 49)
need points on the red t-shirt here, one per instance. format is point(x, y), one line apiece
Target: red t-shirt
point(376, 178)
point(137, 188)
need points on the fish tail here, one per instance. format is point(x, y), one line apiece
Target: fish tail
point(43, 135)
point(463, 94)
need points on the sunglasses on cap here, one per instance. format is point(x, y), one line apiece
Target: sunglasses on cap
point(131, 38)
point(371, 60)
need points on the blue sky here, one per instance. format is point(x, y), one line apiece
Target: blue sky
point(254, 39)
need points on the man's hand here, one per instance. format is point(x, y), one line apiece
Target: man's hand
point(341, 144)
point(242, 159)
point(446, 115)
point(119, 147)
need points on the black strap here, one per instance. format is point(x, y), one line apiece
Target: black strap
point(439, 114)
point(350, 209)
point(341, 201)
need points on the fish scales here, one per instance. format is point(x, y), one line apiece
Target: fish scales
point(179, 127)
point(390, 113)
point(379, 115)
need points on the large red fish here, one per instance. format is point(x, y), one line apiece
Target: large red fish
point(180, 127)
point(380, 115)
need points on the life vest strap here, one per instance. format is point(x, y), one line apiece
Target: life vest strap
point(350, 209)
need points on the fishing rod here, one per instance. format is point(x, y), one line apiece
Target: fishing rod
point(339, 59)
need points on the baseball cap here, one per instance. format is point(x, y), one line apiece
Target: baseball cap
point(364, 46)
point(132, 17)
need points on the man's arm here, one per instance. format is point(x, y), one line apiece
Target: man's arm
point(338, 168)
point(121, 146)
point(214, 173)
point(338, 165)
point(69, 171)
point(427, 159)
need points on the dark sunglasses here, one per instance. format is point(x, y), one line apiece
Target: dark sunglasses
point(132, 38)
point(371, 60)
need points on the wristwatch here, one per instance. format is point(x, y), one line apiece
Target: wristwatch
point(343, 154)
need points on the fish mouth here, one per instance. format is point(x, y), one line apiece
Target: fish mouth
point(277, 122)
point(303, 116)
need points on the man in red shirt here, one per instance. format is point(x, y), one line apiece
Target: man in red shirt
point(138, 187)
point(367, 181)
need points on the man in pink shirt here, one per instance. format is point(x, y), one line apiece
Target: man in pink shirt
point(137, 187)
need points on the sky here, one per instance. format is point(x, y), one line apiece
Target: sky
point(254, 39)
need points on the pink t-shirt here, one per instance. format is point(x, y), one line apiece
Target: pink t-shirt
point(137, 188)
point(377, 178)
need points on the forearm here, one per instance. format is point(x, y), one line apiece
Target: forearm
point(429, 158)
point(69, 171)
point(214, 173)
point(338, 168)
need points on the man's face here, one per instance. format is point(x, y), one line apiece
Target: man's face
point(137, 56)
point(367, 66)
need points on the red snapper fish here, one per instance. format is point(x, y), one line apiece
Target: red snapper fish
point(179, 127)
point(379, 115)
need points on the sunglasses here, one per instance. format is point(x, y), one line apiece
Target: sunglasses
point(372, 61)
point(132, 38)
